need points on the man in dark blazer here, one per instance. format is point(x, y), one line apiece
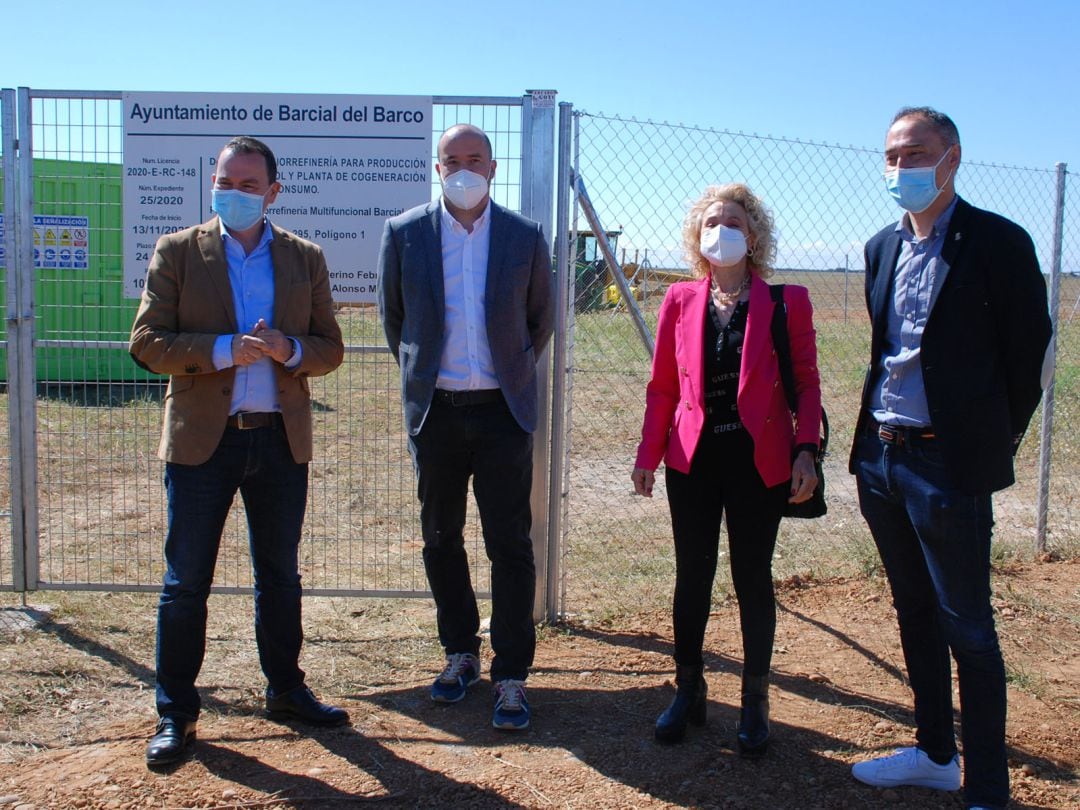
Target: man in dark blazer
point(465, 300)
point(238, 312)
point(959, 332)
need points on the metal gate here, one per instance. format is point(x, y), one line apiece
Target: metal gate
point(84, 421)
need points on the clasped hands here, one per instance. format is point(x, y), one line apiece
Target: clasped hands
point(260, 342)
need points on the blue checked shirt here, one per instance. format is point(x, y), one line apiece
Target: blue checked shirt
point(920, 272)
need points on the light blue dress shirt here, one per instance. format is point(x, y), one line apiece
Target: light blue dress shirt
point(251, 277)
point(920, 273)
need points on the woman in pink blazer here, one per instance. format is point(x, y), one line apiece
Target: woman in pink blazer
point(717, 415)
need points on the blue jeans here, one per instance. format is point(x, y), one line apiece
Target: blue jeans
point(260, 465)
point(485, 443)
point(934, 541)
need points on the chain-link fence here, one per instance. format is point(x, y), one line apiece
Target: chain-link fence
point(827, 201)
point(100, 496)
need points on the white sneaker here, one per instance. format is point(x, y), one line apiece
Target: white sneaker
point(908, 766)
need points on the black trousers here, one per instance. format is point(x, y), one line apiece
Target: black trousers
point(723, 483)
point(486, 443)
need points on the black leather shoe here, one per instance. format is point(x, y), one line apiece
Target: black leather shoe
point(170, 740)
point(301, 704)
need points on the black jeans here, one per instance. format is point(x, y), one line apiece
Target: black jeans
point(723, 482)
point(486, 443)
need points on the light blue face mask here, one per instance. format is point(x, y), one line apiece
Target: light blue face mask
point(915, 189)
point(238, 210)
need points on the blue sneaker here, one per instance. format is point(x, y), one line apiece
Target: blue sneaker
point(462, 671)
point(511, 707)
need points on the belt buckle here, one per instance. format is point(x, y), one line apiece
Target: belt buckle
point(890, 434)
point(243, 422)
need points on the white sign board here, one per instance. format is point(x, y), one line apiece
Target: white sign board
point(345, 164)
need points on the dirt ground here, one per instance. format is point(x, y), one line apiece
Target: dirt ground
point(76, 709)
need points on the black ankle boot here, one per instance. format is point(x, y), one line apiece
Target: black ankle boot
point(753, 734)
point(688, 705)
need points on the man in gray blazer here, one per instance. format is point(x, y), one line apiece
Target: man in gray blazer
point(465, 300)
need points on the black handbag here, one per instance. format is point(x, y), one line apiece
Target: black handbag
point(815, 506)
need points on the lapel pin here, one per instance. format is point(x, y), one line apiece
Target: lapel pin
point(957, 237)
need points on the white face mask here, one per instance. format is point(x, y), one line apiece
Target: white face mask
point(465, 189)
point(723, 246)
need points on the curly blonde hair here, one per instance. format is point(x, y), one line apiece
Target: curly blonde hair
point(760, 259)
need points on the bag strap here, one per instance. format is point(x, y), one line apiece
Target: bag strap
point(782, 344)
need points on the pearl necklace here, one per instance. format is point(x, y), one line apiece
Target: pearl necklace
point(725, 299)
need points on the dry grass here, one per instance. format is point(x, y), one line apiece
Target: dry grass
point(102, 508)
point(618, 554)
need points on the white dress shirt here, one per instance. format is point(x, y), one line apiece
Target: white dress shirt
point(466, 363)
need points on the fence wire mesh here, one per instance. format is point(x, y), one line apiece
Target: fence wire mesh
point(101, 501)
point(827, 201)
point(101, 497)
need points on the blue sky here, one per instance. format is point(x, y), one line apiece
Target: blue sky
point(831, 71)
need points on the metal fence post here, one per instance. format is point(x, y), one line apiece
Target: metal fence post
point(537, 190)
point(613, 264)
point(570, 337)
point(563, 281)
point(11, 215)
point(22, 415)
point(1047, 428)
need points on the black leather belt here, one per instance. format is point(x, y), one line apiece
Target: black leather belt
point(246, 420)
point(898, 435)
point(461, 399)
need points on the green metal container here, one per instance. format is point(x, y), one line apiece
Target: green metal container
point(82, 303)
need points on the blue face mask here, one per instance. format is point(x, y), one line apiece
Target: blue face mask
point(238, 210)
point(915, 189)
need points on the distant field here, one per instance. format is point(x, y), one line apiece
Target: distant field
point(619, 551)
point(102, 506)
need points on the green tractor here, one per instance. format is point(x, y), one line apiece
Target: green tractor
point(592, 277)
